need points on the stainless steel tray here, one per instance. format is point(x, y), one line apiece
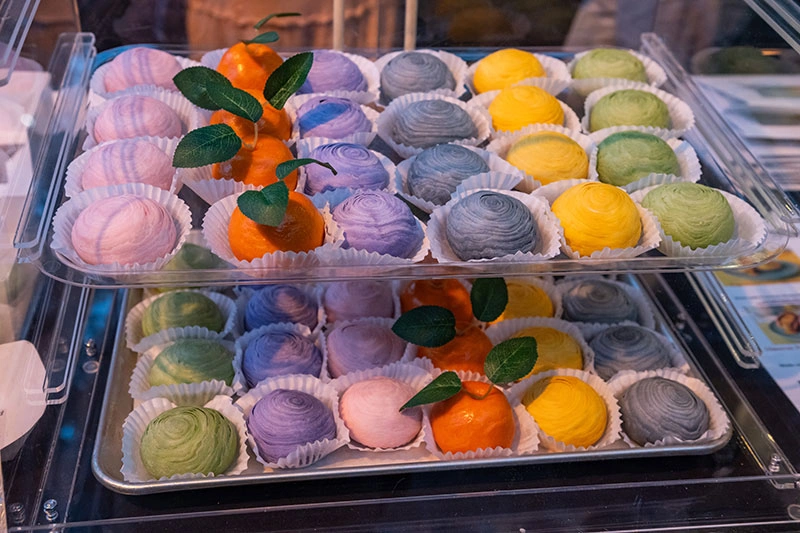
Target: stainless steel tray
point(117, 404)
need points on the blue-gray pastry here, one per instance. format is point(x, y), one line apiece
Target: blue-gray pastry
point(279, 353)
point(628, 347)
point(414, 72)
point(356, 168)
point(598, 300)
point(426, 123)
point(280, 303)
point(437, 171)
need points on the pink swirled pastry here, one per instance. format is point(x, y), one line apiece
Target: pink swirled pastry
point(136, 116)
point(362, 345)
point(371, 411)
point(128, 161)
point(141, 66)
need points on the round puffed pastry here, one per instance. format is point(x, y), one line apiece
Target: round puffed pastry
point(629, 107)
point(125, 229)
point(526, 299)
point(488, 224)
point(521, 105)
point(598, 301)
point(127, 161)
point(349, 300)
point(360, 346)
point(192, 361)
point(549, 156)
point(692, 214)
point(280, 353)
point(141, 66)
point(136, 115)
point(414, 72)
point(280, 303)
point(628, 347)
point(596, 216)
point(567, 409)
point(555, 349)
point(426, 123)
point(609, 63)
point(627, 156)
point(371, 411)
point(331, 117)
point(437, 171)
point(332, 71)
point(506, 67)
point(179, 309)
point(356, 168)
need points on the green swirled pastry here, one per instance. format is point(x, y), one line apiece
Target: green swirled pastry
point(181, 309)
point(629, 107)
point(609, 63)
point(192, 361)
point(628, 156)
point(189, 440)
point(692, 214)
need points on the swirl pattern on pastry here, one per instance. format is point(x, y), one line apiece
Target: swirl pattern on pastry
point(192, 361)
point(629, 107)
point(628, 347)
point(362, 345)
point(348, 300)
point(136, 116)
point(371, 411)
point(627, 156)
point(489, 224)
point(609, 63)
point(414, 72)
point(597, 215)
point(189, 440)
point(279, 353)
point(333, 71)
point(331, 117)
point(598, 300)
point(656, 408)
point(426, 123)
point(549, 156)
point(505, 67)
point(377, 221)
point(280, 303)
point(692, 214)
point(555, 349)
point(141, 66)
point(356, 168)
point(181, 309)
point(437, 171)
point(521, 105)
point(127, 161)
point(526, 299)
point(285, 419)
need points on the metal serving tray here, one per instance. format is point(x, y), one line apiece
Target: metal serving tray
point(117, 404)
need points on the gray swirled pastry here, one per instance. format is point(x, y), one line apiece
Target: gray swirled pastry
point(356, 168)
point(279, 353)
point(362, 345)
point(425, 123)
point(437, 171)
point(285, 419)
point(628, 347)
point(489, 224)
point(414, 72)
point(598, 300)
point(331, 117)
point(280, 303)
point(377, 221)
point(332, 71)
point(656, 408)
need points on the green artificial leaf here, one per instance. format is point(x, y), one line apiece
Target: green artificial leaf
point(489, 297)
point(421, 215)
point(511, 360)
point(236, 101)
point(263, 38)
point(428, 325)
point(267, 206)
point(287, 167)
point(287, 78)
point(274, 16)
point(446, 385)
point(207, 145)
point(193, 83)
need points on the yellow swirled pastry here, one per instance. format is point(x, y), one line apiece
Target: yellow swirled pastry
point(526, 299)
point(567, 409)
point(518, 106)
point(596, 215)
point(549, 156)
point(556, 349)
point(505, 67)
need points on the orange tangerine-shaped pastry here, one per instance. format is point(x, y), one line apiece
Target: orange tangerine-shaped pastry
point(448, 293)
point(274, 122)
point(469, 421)
point(248, 66)
point(257, 166)
point(302, 230)
point(467, 351)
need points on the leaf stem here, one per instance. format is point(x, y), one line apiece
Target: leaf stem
point(252, 146)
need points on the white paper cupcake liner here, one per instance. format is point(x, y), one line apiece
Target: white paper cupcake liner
point(719, 423)
point(748, 234)
point(246, 293)
point(556, 80)
point(395, 302)
point(681, 115)
point(479, 117)
point(211, 59)
point(138, 342)
point(571, 120)
point(240, 382)
point(546, 222)
point(544, 283)
point(371, 76)
point(72, 183)
point(613, 424)
point(645, 312)
point(68, 213)
point(133, 469)
point(408, 372)
point(363, 138)
point(306, 454)
point(191, 117)
point(655, 74)
point(97, 84)
point(140, 388)
point(457, 67)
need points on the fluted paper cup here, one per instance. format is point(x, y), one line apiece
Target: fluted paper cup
point(457, 67)
point(644, 311)
point(655, 74)
point(557, 76)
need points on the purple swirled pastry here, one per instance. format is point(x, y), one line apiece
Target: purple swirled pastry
point(598, 300)
point(331, 117)
point(135, 115)
point(377, 221)
point(437, 171)
point(127, 161)
point(414, 72)
point(141, 66)
point(280, 303)
point(356, 168)
point(285, 419)
point(628, 347)
point(333, 71)
point(426, 123)
point(348, 300)
point(489, 224)
point(279, 353)
point(362, 345)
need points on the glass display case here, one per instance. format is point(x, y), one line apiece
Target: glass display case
point(67, 354)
